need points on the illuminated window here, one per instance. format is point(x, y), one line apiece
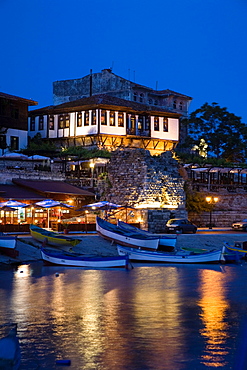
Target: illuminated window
point(156, 124)
point(32, 124)
point(14, 142)
point(94, 117)
point(120, 119)
point(86, 118)
point(165, 124)
point(51, 122)
point(140, 123)
point(79, 119)
point(112, 118)
point(61, 121)
point(67, 121)
point(41, 123)
point(103, 117)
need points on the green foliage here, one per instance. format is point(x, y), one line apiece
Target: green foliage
point(195, 201)
point(224, 132)
point(196, 159)
point(37, 145)
point(81, 152)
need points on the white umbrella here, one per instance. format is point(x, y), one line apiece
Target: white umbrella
point(101, 205)
point(37, 157)
point(50, 203)
point(15, 155)
point(13, 204)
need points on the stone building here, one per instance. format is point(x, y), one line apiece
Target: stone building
point(150, 184)
point(13, 121)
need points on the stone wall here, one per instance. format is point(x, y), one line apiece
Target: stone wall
point(151, 183)
point(228, 209)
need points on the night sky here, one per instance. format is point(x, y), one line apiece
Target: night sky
point(195, 47)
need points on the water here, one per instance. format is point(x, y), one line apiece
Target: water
point(152, 317)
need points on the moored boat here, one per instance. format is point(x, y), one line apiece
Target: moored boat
point(8, 245)
point(68, 259)
point(173, 257)
point(53, 238)
point(123, 237)
point(164, 240)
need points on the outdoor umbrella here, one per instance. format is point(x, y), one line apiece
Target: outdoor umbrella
point(103, 206)
point(50, 203)
point(13, 203)
point(37, 157)
point(15, 155)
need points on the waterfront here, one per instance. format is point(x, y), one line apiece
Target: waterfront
point(151, 317)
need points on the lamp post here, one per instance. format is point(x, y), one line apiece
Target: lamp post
point(212, 201)
point(91, 165)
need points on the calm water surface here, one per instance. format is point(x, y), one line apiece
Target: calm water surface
point(152, 317)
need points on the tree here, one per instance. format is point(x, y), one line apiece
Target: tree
point(223, 132)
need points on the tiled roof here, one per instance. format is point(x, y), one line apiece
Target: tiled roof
point(13, 97)
point(103, 100)
point(49, 186)
point(18, 193)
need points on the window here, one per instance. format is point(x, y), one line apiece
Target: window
point(41, 123)
point(103, 117)
point(67, 121)
point(140, 123)
point(112, 118)
point(156, 102)
point(133, 121)
point(61, 121)
point(181, 105)
point(165, 124)
point(14, 142)
point(51, 122)
point(79, 119)
point(174, 104)
point(141, 97)
point(86, 118)
point(120, 119)
point(94, 117)
point(3, 142)
point(32, 124)
point(156, 124)
point(14, 113)
point(147, 123)
point(150, 101)
point(135, 96)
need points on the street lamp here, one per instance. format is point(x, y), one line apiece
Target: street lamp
point(212, 201)
point(91, 165)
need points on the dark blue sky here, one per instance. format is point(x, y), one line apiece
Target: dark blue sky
point(195, 47)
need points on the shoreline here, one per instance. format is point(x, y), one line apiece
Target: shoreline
point(94, 244)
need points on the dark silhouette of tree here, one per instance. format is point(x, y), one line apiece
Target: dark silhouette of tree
point(224, 132)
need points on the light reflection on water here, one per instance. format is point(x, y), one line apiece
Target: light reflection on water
point(159, 317)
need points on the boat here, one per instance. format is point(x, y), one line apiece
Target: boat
point(53, 238)
point(8, 246)
point(123, 237)
point(234, 253)
point(164, 240)
point(70, 259)
point(172, 257)
point(10, 354)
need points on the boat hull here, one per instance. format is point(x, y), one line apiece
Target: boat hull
point(8, 246)
point(177, 257)
point(164, 240)
point(122, 238)
point(90, 262)
point(52, 238)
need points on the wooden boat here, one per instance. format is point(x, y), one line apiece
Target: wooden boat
point(234, 253)
point(8, 246)
point(10, 354)
point(128, 238)
point(172, 257)
point(164, 240)
point(53, 238)
point(69, 259)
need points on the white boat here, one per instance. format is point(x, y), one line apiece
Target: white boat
point(8, 245)
point(131, 239)
point(164, 240)
point(68, 259)
point(172, 257)
point(10, 354)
